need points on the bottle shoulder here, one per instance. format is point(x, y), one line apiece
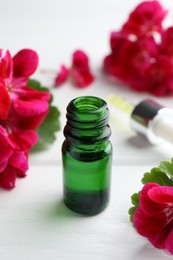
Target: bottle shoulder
point(87, 152)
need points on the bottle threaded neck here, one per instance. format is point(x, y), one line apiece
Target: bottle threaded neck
point(87, 120)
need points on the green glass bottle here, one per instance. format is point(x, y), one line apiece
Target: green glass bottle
point(87, 155)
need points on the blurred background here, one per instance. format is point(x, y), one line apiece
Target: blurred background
point(55, 28)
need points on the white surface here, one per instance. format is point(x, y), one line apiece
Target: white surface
point(34, 224)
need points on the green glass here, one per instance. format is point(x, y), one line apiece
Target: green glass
point(87, 155)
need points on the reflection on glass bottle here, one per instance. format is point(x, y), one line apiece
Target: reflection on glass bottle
point(87, 156)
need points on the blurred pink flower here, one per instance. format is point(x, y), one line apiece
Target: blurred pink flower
point(79, 71)
point(145, 19)
point(140, 59)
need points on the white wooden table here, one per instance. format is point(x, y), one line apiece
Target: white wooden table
point(34, 223)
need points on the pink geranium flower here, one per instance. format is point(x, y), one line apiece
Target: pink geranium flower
point(154, 217)
point(22, 110)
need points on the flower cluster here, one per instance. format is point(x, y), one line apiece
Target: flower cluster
point(79, 72)
point(22, 110)
point(142, 51)
point(154, 217)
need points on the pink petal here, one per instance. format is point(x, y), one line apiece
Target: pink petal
point(3, 165)
point(167, 41)
point(28, 93)
point(8, 178)
point(117, 39)
point(161, 194)
point(61, 76)
point(80, 78)
point(6, 64)
point(5, 101)
point(112, 66)
point(18, 84)
point(79, 58)
point(21, 122)
point(5, 148)
point(80, 70)
point(19, 160)
point(25, 63)
point(24, 139)
point(148, 226)
point(169, 242)
point(19, 173)
point(158, 75)
point(149, 206)
point(158, 239)
point(3, 131)
point(28, 108)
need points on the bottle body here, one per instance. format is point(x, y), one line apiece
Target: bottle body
point(87, 159)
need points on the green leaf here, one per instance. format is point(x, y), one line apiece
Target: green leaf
point(135, 199)
point(47, 130)
point(49, 126)
point(135, 202)
point(34, 83)
point(158, 176)
point(167, 167)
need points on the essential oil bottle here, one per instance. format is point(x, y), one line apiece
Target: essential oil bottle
point(87, 156)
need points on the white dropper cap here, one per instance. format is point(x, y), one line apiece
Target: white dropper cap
point(154, 121)
point(162, 124)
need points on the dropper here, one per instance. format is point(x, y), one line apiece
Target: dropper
point(148, 118)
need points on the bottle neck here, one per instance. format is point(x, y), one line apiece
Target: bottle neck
point(87, 121)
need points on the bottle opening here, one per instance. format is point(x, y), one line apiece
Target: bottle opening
point(88, 104)
point(87, 109)
point(87, 120)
